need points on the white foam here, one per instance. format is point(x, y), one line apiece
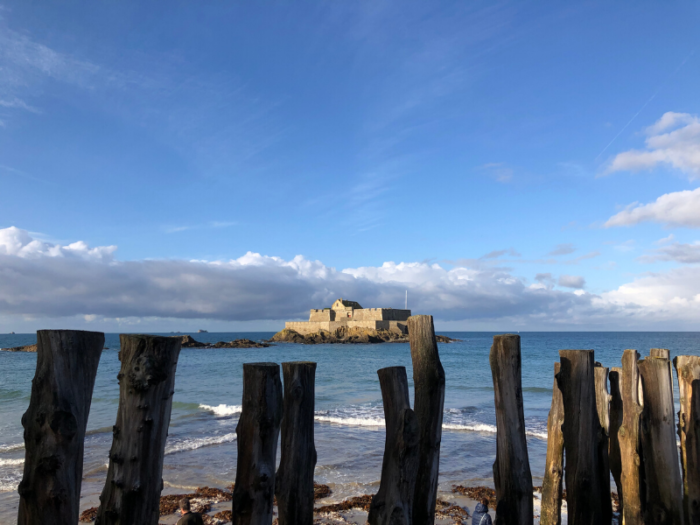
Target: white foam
point(11, 448)
point(352, 421)
point(223, 410)
point(194, 444)
point(10, 462)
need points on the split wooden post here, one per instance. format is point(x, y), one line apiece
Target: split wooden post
point(616, 415)
point(146, 386)
point(511, 470)
point(258, 432)
point(554, 465)
point(602, 402)
point(661, 352)
point(632, 472)
point(688, 370)
point(588, 496)
point(54, 426)
point(663, 478)
point(429, 385)
point(294, 482)
point(393, 503)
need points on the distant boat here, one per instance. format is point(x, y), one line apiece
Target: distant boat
point(12, 333)
point(202, 332)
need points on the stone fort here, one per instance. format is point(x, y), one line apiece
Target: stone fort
point(350, 314)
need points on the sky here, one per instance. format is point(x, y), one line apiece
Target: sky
point(173, 166)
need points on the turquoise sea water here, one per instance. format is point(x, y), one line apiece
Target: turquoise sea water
point(201, 447)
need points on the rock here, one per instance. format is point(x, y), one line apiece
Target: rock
point(25, 348)
point(189, 342)
point(240, 343)
point(345, 335)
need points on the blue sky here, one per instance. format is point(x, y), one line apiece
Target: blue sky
point(542, 145)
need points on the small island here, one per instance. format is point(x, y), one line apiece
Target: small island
point(347, 322)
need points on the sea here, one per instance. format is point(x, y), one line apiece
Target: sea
point(349, 422)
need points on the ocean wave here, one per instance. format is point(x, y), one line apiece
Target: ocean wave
point(11, 462)
point(194, 444)
point(223, 410)
point(11, 448)
point(351, 421)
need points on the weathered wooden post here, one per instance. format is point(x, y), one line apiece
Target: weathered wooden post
point(660, 352)
point(54, 426)
point(511, 470)
point(615, 424)
point(554, 465)
point(146, 385)
point(602, 402)
point(688, 370)
point(393, 503)
point(588, 496)
point(258, 431)
point(294, 482)
point(662, 474)
point(632, 473)
point(429, 385)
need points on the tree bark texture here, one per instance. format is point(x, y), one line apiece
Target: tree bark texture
point(511, 470)
point(663, 478)
point(688, 370)
point(393, 503)
point(429, 385)
point(615, 424)
point(602, 403)
point(131, 493)
point(257, 431)
point(632, 474)
point(588, 495)
point(294, 482)
point(54, 426)
point(553, 476)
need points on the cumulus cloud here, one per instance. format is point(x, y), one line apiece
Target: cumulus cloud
point(678, 252)
point(45, 280)
point(572, 281)
point(673, 140)
point(681, 208)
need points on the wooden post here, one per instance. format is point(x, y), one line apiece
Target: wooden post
point(554, 465)
point(660, 352)
point(632, 473)
point(602, 402)
point(662, 474)
point(615, 424)
point(588, 497)
point(688, 370)
point(258, 431)
point(393, 503)
point(429, 384)
point(294, 482)
point(54, 426)
point(511, 470)
point(146, 385)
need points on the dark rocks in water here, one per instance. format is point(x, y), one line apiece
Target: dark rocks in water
point(345, 335)
point(25, 348)
point(240, 343)
point(189, 342)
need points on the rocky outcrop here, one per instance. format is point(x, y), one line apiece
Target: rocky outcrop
point(189, 342)
point(25, 348)
point(345, 335)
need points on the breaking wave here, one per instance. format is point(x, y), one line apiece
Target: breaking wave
point(194, 444)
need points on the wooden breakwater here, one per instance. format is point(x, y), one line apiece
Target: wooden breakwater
point(620, 422)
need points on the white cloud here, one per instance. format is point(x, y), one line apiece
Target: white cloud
point(678, 252)
point(572, 281)
point(681, 208)
point(74, 281)
point(674, 140)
